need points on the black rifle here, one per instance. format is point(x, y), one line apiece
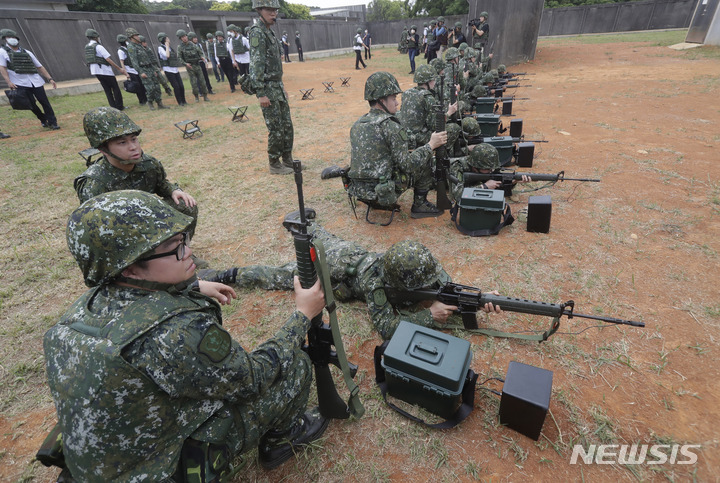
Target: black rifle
point(453, 91)
point(321, 338)
point(469, 300)
point(442, 161)
point(508, 176)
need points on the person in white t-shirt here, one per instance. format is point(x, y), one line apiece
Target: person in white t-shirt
point(101, 66)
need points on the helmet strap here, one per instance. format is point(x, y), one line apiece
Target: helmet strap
point(120, 160)
point(382, 105)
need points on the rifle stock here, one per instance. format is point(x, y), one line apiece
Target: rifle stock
point(442, 162)
point(469, 300)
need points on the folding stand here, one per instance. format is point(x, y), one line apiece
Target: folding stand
point(87, 155)
point(306, 94)
point(328, 86)
point(345, 81)
point(238, 113)
point(189, 128)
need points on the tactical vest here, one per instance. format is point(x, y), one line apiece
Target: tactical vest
point(443, 38)
point(20, 61)
point(172, 60)
point(371, 160)
point(91, 56)
point(221, 50)
point(117, 423)
point(188, 53)
point(238, 46)
point(412, 43)
point(127, 61)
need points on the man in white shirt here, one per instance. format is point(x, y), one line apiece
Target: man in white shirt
point(101, 66)
point(240, 47)
point(22, 71)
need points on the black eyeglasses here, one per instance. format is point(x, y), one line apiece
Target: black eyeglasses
point(178, 251)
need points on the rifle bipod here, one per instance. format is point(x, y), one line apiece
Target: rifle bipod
point(373, 205)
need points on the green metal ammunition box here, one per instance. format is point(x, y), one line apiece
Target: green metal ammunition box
point(427, 368)
point(504, 146)
point(485, 105)
point(481, 209)
point(488, 123)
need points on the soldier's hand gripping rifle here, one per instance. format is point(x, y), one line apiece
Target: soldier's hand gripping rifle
point(469, 300)
point(322, 337)
point(442, 161)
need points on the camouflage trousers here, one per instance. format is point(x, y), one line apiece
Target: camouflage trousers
point(191, 211)
point(163, 80)
point(207, 455)
point(152, 86)
point(280, 128)
point(197, 81)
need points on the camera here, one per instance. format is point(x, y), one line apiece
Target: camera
point(475, 23)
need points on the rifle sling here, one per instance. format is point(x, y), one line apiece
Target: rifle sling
point(462, 412)
point(554, 326)
point(354, 403)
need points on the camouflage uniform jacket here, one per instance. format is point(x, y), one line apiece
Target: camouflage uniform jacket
point(458, 166)
point(134, 373)
point(102, 177)
point(142, 59)
point(266, 63)
point(380, 154)
point(417, 114)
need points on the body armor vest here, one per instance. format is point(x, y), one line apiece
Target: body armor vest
point(238, 46)
point(172, 60)
point(20, 61)
point(189, 53)
point(108, 402)
point(221, 50)
point(91, 56)
point(127, 61)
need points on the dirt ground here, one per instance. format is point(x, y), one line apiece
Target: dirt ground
point(642, 245)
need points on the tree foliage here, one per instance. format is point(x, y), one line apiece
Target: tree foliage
point(296, 11)
point(114, 6)
point(435, 8)
point(577, 3)
point(380, 10)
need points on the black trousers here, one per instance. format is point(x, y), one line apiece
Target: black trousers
point(300, 54)
point(243, 68)
point(38, 93)
point(205, 74)
point(112, 90)
point(368, 54)
point(142, 95)
point(230, 72)
point(358, 59)
point(178, 87)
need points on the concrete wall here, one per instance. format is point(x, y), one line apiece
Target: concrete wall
point(713, 34)
point(617, 17)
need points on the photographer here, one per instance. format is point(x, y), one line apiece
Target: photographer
point(480, 31)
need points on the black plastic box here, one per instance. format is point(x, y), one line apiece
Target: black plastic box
point(427, 368)
point(539, 214)
point(525, 398)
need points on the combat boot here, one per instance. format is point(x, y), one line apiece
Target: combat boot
point(168, 91)
point(276, 447)
point(287, 160)
point(160, 105)
point(206, 98)
point(422, 208)
point(197, 99)
point(276, 167)
point(150, 105)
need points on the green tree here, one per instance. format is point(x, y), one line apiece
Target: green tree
point(380, 10)
point(222, 7)
point(435, 8)
point(113, 6)
point(297, 11)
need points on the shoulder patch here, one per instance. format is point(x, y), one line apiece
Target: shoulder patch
point(403, 135)
point(215, 344)
point(379, 296)
point(254, 42)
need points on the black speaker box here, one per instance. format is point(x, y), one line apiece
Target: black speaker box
point(538, 214)
point(507, 108)
point(526, 152)
point(516, 128)
point(525, 398)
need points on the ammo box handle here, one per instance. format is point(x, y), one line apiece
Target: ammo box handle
point(425, 352)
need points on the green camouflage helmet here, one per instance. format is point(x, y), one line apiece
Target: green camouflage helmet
point(180, 33)
point(219, 33)
point(494, 73)
point(161, 36)
point(232, 28)
point(451, 53)
point(502, 69)
point(265, 3)
point(413, 27)
point(453, 130)
point(121, 38)
point(441, 19)
point(359, 30)
point(471, 53)
point(379, 85)
point(470, 126)
point(484, 15)
point(105, 123)
point(479, 91)
point(208, 35)
point(131, 31)
point(284, 32)
point(463, 46)
point(7, 33)
point(439, 64)
point(111, 231)
point(92, 34)
point(425, 24)
point(488, 78)
point(424, 74)
point(484, 156)
point(458, 25)
point(297, 32)
point(141, 38)
point(410, 265)
point(433, 22)
point(191, 35)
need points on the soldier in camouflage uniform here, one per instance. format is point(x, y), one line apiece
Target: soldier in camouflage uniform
point(266, 80)
point(381, 167)
point(418, 107)
point(358, 274)
point(191, 54)
point(146, 65)
point(147, 383)
point(124, 164)
point(160, 73)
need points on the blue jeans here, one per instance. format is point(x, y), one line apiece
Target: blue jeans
point(411, 54)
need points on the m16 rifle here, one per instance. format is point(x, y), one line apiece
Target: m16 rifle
point(321, 338)
point(442, 161)
point(469, 300)
point(508, 177)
